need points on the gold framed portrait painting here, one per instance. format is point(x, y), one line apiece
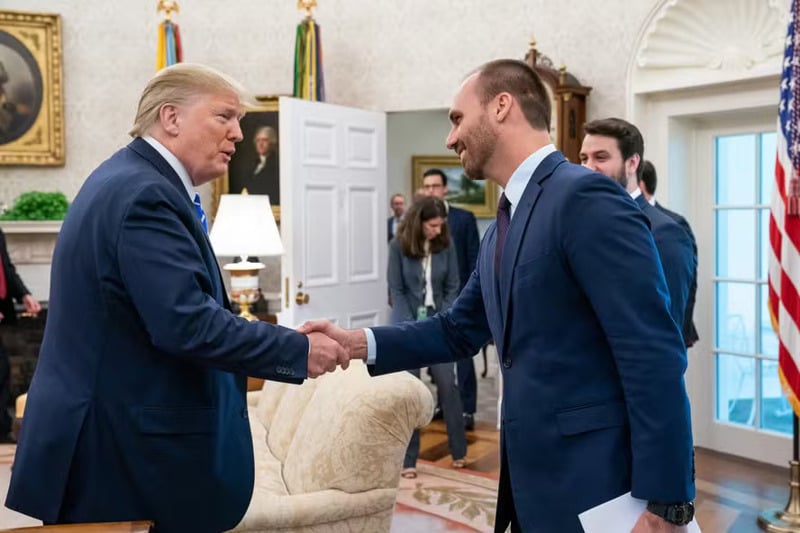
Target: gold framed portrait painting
point(478, 196)
point(31, 101)
point(255, 166)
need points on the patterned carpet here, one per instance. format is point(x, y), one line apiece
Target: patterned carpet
point(466, 498)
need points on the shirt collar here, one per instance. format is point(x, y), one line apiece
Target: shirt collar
point(519, 179)
point(652, 201)
point(175, 163)
point(636, 193)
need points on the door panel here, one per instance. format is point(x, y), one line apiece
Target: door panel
point(333, 182)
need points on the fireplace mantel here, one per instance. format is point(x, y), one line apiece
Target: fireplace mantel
point(30, 245)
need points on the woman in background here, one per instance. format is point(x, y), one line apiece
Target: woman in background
point(423, 280)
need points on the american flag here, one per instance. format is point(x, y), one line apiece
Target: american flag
point(784, 223)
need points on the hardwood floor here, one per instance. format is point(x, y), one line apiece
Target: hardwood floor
point(731, 491)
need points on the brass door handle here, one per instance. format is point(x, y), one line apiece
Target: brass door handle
point(301, 297)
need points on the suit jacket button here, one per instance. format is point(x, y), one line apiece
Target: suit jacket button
point(507, 362)
point(244, 412)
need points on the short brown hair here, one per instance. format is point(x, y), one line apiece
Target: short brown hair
point(522, 82)
point(179, 84)
point(410, 234)
point(629, 138)
point(648, 177)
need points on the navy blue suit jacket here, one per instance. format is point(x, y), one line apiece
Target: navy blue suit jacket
point(137, 407)
point(678, 258)
point(464, 235)
point(690, 335)
point(594, 401)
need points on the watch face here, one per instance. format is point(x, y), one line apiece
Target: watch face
point(680, 514)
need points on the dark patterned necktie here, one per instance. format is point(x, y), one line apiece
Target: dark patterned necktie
point(503, 221)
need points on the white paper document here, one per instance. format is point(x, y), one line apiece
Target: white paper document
point(619, 516)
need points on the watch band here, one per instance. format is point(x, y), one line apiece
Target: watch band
point(679, 514)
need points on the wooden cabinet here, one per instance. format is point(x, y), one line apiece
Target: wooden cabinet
point(568, 98)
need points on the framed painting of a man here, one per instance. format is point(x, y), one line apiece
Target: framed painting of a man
point(31, 105)
point(480, 197)
point(255, 166)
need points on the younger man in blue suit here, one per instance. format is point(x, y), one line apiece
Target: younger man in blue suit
point(615, 147)
point(570, 287)
point(137, 407)
point(648, 181)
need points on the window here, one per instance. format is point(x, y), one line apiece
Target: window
point(745, 345)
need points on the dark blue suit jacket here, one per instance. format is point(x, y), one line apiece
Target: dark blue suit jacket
point(464, 234)
point(137, 407)
point(594, 401)
point(678, 258)
point(690, 335)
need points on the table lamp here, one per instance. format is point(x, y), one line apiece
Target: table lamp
point(243, 227)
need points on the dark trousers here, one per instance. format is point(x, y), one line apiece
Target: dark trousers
point(506, 514)
point(467, 384)
point(444, 376)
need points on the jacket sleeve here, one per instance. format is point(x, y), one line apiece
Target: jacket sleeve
point(402, 308)
point(171, 286)
point(613, 257)
point(473, 241)
point(451, 280)
point(680, 264)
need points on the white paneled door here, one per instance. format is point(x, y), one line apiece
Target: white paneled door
point(333, 196)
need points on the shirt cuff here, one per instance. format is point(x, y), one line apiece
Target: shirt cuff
point(371, 348)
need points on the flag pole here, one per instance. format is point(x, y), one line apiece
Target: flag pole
point(786, 520)
point(784, 230)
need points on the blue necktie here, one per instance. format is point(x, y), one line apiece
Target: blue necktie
point(503, 221)
point(200, 213)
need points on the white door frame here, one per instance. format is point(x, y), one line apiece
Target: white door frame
point(678, 128)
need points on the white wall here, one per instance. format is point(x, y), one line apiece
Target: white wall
point(383, 55)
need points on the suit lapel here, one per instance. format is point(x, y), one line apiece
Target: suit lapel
point(516, 231)
point(143, 148)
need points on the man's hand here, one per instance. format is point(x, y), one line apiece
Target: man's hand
point(324, 354)
point(32, 306)
point(354, 341)
point(651, 523)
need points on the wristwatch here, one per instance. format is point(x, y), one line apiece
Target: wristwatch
point(679, 514)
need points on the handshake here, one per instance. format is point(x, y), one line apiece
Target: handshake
point(331, 346)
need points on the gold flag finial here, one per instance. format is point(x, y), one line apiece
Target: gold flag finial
point(168, 6)
point(307, 5)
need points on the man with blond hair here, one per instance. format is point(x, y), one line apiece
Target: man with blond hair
point(137, 407)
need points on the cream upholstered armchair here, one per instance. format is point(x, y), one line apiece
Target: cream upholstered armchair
point(328, 453)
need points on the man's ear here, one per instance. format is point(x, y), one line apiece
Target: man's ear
point(169, 119)
point(632, 165)
point(503, 103)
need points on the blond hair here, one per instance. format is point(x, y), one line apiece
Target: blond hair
point(178, 85)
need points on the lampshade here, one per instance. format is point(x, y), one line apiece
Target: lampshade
point(244, 226)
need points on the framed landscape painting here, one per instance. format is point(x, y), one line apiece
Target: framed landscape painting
point(480, 197)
